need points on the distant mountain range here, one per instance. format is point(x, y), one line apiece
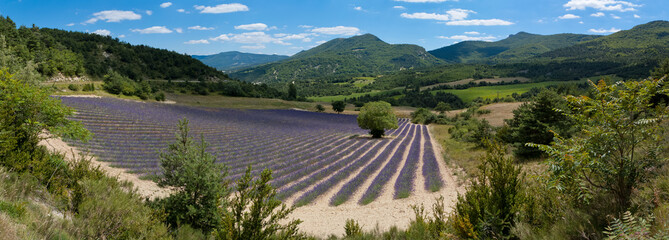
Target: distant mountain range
point(232, 60)
point(516, 47)
point(342, 58)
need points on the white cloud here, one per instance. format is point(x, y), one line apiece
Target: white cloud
point(480, 22)
point(181, 10)
point(569, 16)
point(201, 41)
point(468, 38)
point(154, 29)
point(597, 14)
point(249, 38)
point(601, 30)
point(338, 30)
point(179, 30)
point(601, 5)
point(198, 27)
point(222, 8)
point(254, 47)
point(306, 26)
point(581, 22)
point(70, 24)
point(121, 36)
point(615, 16)
point(357, 8)
point(253, 27)
point(149, 12)
point(472, 33)
point(165, 4)
point(320, 42)
point(102, 32)
point(453, 14)
point(637, 16)
point(421, 1)
point(399, 7)
point(114, 16)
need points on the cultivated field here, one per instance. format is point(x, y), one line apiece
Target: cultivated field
point(315, 157)
point(500, 91)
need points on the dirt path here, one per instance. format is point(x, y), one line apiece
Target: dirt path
point(145, 188)
point(323, 220)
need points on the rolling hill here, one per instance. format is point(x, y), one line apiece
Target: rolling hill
point(516, 47)
point(342, 58)
point(232, 60)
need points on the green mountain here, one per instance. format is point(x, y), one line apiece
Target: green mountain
point(516, 47)
point(227, 61)
point(342, 58)
point(69, 53)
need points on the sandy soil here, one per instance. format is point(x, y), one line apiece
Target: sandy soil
point(498, 112)
point(145, 188)
point(320, 219)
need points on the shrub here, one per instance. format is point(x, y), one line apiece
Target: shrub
point(73, 87)
point(377, 117)
point(88, 87)
point(320, 108)
point(160, 97)
point(338, 106)
point(352, 228)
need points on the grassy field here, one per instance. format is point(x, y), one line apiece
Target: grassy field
point(457, 154)
point(341, 97)
point(470, 94)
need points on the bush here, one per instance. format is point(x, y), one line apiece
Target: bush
point(160, 97)
point(352, 228)
point(423, 116)
point(89, 87)
point(73, 87)
point(338, 106)
point(320, 108)
point(487, 209)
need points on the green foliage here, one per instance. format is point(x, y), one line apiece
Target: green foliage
point(630, 228)
point(377, 117)
point(89, 87)
point(338, 106)
point(423, 116)
point(253, 211)
point(619, 146)
point(442, 107)
point(14, 210)
point(536, 122)
point(292, 91)
point(26, 112)
point(73, 87)
point(160, 97)
point(352, 228)
point(198, 180)
point(488, 208)
point(320, 108)
point(112, 210)
point(466, 128)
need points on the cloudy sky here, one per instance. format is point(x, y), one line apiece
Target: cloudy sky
point(289, 26)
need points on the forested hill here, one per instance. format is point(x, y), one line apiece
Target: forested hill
point(226, 61)
point(76, 54)
point(342, 58)
point(516, 47)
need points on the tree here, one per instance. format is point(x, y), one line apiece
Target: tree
point(320, 108)
point(254, 212)
point(377, 117)
point(442, 107)
point(26, 113)
point(338, 106)
point(619, 145)
point(535, 122)
point(292, 91)
point(199, 182)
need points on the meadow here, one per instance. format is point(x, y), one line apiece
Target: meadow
point(309, 153)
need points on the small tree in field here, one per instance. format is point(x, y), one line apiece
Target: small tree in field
point(377, 117)
point(442, 107)
point(338, 106)
point(197, 179)
point(320, 108)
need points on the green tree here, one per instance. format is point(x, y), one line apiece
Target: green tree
point(338, 106)
point(377, 117)
point(487, 209)
point(320, 108)
point(292, 91)
point(535, 122)
point(26, 113)
point(442, 107)
point(199, 182)
point(619, 145)
point(253, 211)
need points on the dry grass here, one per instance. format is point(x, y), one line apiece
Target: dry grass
point(458, 154)
point(498, 112)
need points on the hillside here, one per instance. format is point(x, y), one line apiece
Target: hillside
point(69, 53)
point(516, 47)
point(232, 60)
point(341, 58)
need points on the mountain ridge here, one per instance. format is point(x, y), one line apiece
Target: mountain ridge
point(231, 60)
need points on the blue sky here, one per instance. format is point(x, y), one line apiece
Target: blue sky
point(289, 26)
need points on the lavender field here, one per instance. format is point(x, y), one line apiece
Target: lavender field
point(311, 154)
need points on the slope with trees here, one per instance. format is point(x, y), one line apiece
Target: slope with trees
point(229, 61)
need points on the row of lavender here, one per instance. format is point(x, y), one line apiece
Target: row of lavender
point(311, 154)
